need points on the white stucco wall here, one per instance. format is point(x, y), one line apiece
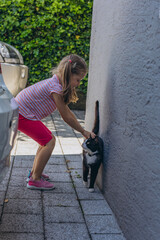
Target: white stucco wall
point(124, 75)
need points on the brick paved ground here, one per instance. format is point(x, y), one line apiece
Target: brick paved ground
point(69, 212)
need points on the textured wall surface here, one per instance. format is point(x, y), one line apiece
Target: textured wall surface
point(124, 75)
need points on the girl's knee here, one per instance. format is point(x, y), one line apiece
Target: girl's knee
point(53, 138)
point(52, 142)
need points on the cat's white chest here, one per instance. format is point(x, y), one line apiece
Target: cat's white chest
point(91, 159)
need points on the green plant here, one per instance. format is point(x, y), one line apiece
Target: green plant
point(44, 31)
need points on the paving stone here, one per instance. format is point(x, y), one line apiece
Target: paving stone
point(4, 184)
point(22, 192)
point(1, 209)
point(21, 223)
point(59, 199)
point(67, 133)
point(93, 207)
point(57, 151)
point(20, 172)
point(66, 231)
point(61, 187)
point(69, 141)
point(26, 206)
point(84, 194)
point(78, 182)
point(60, 177)
point(63, 218)
point(80, 115)
point(71, 149)
point(60, 124)
point(19, 158)
point(23, 172)
point(8, 171)
point(55, 169)
point(76, 173)
point(17, 181)
point(26, 147)
point(20, 236)
point(107, 237)
point(56, 160)
point(64, 133)
point(79, 137)
point(102, 224)
point(63, 214)
point(73, 157)
point(23, 163)
point(2, 195)
point(57, 146)
point(75, 165)
point(3, 187)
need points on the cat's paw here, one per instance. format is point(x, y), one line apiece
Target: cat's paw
point(85, 184)
point(91, 190)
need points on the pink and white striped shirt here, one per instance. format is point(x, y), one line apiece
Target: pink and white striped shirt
point(36, 102)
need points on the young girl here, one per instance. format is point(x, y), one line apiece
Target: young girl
point(41, 99)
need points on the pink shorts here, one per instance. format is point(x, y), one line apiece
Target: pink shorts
point(35, 129)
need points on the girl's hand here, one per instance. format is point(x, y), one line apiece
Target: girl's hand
point(87, 134)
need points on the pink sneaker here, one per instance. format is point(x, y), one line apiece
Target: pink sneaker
point(39, 185)
point(44, 176)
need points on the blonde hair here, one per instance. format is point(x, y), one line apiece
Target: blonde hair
point(71, 64)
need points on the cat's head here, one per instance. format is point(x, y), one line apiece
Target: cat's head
point(91, 145)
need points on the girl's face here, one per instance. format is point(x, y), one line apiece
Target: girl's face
point(75, 80)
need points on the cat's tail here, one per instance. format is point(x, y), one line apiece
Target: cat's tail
point(96, 121)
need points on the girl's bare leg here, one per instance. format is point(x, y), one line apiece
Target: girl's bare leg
point(42, 156)
point(35, 159)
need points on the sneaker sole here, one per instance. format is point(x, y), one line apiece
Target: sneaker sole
point(39, 188)
point(27, 180)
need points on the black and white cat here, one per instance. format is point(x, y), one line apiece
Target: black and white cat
point(92, 154)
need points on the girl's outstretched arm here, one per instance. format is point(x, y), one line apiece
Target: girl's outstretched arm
point(69, 117)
